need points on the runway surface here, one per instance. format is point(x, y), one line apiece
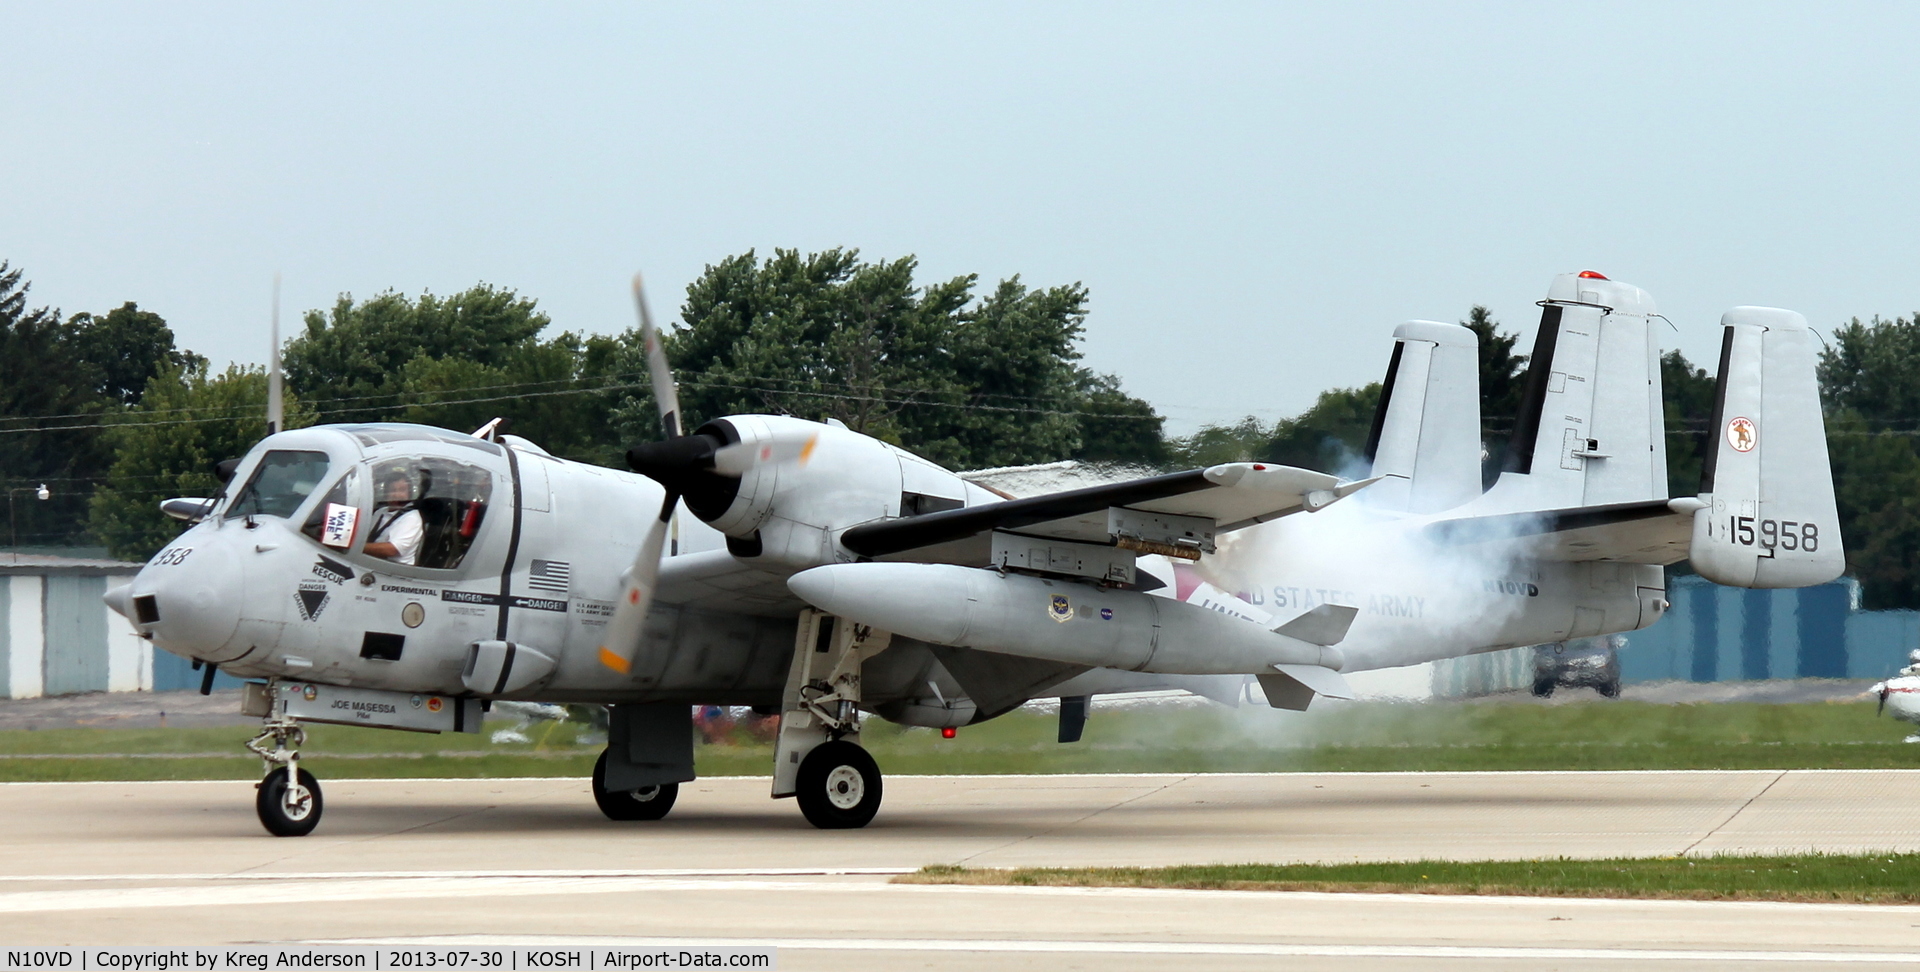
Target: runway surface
point(533, 861)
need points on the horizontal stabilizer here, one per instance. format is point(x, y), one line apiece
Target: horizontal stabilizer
point(1641, 532)
point(1325, 625)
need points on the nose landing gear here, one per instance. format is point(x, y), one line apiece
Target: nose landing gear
point(288, 801)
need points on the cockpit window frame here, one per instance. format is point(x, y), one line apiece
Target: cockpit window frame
point(231, 509)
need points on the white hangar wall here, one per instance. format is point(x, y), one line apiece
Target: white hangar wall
point(57, 637)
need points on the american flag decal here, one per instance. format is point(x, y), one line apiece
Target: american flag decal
point(549, 575)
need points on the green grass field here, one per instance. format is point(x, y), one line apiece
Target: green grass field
point(1875, 879)
point(1492, 735)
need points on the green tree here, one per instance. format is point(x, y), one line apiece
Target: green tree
point(966, 381)
point(1502, 379)
point(50, 411)
point(458, 362)
point(1687, 395)
point(168, 444)
point(1329, 436)
point(1118, 427)
point(1212, 445)
point(127, 347)
point(1870, 384)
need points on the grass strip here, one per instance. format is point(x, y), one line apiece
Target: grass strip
point(1360, 737)
point(1853, 879)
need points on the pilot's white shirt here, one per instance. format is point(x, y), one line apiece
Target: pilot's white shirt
point(405, 532)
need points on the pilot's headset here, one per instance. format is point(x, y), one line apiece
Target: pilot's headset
point(385, 476)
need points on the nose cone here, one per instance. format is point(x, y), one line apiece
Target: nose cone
point(120, 599)
point(196, 587)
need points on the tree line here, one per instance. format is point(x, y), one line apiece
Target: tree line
point(113, 417)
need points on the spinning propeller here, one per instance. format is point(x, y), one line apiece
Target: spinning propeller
point(704, 468)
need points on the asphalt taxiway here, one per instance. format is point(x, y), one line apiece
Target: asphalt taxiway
point(532, 860)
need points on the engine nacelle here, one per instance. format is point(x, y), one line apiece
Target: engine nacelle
point(805, 481)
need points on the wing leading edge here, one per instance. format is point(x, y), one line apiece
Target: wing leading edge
point(1232, 496)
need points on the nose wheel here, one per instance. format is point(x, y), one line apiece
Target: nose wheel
point(288, 806)
point(288, 800)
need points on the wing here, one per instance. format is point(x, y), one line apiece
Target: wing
point(1185, 507)
point(718, 580)
point(1644, 532)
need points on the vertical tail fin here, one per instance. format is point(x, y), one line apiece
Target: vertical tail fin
point(1426, 430)
point(1591, 429)
point(1770, 519)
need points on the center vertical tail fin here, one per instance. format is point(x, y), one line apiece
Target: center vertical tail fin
point(1591, 430)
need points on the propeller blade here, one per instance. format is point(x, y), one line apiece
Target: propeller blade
point(622, 633)
point(665, 395)
point(737, 459)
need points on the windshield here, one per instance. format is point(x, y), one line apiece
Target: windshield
point(282, 481)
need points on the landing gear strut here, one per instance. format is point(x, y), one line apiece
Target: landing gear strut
point(817, 757)
point(289, 801)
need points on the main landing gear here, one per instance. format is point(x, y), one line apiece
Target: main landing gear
point(838, 786)
point(817, 757)
point(645, 803)
point(288, 801)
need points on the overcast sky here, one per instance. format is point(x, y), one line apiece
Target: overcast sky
point(1255, 194)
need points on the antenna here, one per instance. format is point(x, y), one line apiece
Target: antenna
point(276, 417)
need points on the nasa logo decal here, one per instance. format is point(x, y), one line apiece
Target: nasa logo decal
point(1742, 435)
point(312, 598)
point(1106, 614)
point(1062, 609)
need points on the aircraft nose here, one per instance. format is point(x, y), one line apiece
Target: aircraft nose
point(188, 601)
point(120, 599)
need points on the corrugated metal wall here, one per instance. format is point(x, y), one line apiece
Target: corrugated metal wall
point(76, 659)
point(58, 638)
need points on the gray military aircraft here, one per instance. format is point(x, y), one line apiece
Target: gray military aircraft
point(404, 577)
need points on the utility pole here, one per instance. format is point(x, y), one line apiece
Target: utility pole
point(276, 418)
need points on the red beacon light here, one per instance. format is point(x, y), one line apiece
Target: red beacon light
point(948, 732)
point(1592, 275)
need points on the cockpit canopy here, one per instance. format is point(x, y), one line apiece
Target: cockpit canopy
point(348, 490)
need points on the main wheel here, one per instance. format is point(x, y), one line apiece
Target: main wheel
point(838, 786)
point(1543, 687)
point(1610, 689)
point(646, 803)
point(288, 811)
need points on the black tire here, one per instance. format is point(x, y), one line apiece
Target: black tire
point(1610, 688)
point(1543, 687)
point(838, 786)
point(280, 819)
point(646, 803)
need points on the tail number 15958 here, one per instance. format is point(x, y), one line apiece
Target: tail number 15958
point(1784, 534)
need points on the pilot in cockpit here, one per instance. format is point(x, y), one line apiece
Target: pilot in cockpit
point(398, 529)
